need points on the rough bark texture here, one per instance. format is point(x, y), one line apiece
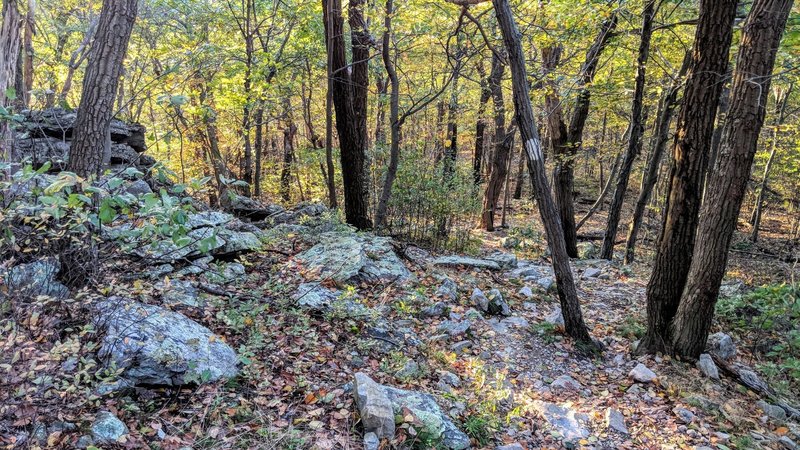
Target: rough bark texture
point(289, 132)
point(349, 94)
point(9, 52)
point(92, 141)
point(480, 126)
point(666, 106)
point(567, 294)
point(694, 129)
point(635, 140)
point(728, 180)
point(502, 147)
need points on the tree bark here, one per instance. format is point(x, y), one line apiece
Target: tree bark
point(635, 140)
point(728, 182)
point(289, 132)
point(502, 147)
point(91, 144)
point(598, 204)
point(568, 296)
point(9, 52)
point(694, 130)
point(480, 126)
point(258, 141)
point(659, 142)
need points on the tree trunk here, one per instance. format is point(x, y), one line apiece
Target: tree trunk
point(289, 132)
point(502, 147)
point(694, 130)
point(349, 95)
point(662, 136)
point(258, 149)
point(598, 204)
point(9, 53)
point(520, 177)
point(330, 180)
point(635, 140)
point(24, 93)
point(380, 114)
point(568, 296)
point(91, 144)
point(480, 126)
point(728, 182)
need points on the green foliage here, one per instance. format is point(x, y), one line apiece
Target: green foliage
point(478, 427)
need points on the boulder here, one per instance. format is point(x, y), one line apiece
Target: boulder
point(374, 406)
point(772, 411)
point(546, 283)
point(683, 414)
point(153, 345)
point(591, 272)
point(438, 309)
point(107, 429)
point(556, 318)
point(503, 259)
point(466, 261)
point(721, 345)
point(706, 365)
point(642, 374)
point(566, 382)
point(448, 290)
point(615, 421)
point(36, 278)
point(526, 292)
point(454, 328)
point(352, 258)
point(179, 292)
point(565, 421)
point(493, 304)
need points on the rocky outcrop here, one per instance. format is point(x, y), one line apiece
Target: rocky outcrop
point(155, 346)
point(34, 279)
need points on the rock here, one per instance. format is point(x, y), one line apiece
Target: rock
point(526, 292)
point(448, 291)
point(176, 292)
point(503, 259)
point(587, 250)
point(224, 273)
point(591, 272)
point(371, 441)
point(615, 420)
point(565, 421)
point(37, 278)
point(107, 429)
point(467, 261)
point(642, 374)
point(450, 378)
point(298, 213)
point(683, 414)
point(546, 283)
point(138, 188)
point(461, 346)
point(721, 345)
point(84, 441)
point(787, 443)
point(555, 318)
point(315, 296)
point(353, 258)
point(409, 370)
point(566, 382)
point(520, 322)
point(454, 328)
point(514, 446)
point(706, 365)
point(438, 309)
point(153, 345)
point(731, 288)
point(374, 406)
point(494, 304)
point(772, 411)
point(245, 207)
point(479, 299)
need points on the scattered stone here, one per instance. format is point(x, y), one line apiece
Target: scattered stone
point(156, 346)
point(615, 420)
point(454, 328)
point(379, 404)
point(787, 443)
point(526, 292)
point(36, 278)
point(84, 441)
point(461, 346)
point(587, 250)
point(448, 291)
point(566, 382)
point(591, 272)
point(493, 304)
point(224, 273)
point(450, 378)
point(514, 446)
point(503, 259)
point(707, 366)
point(138, 188)
point(556, 318)
point(438, 309)
point(683, 414)
point(520, 322)
point(177, 292)
point(721, 345)
point(546, 283)
point(466, 261)
point(409, 370)
point(371, 441)
point(565, 421)
point(772, 411)
point(642, 374)
point(107, 429)
point(350, 258)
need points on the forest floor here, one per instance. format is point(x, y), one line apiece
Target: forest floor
point(508, 380)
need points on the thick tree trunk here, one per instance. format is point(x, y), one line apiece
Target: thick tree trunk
point(728, 182)
point(659, 142)
point(91, 144)
point(502, 147)
point(349, 100)
point(694, 130)
point(9, 53)
point(568, 296)
point(635, 140)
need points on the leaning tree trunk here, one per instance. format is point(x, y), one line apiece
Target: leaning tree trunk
point(502, 147)
point(91, 144)
point(568, 296)
point(635, 141)
point(9, 52)
point(728, 181)
point(694, 130)
point(659, 142)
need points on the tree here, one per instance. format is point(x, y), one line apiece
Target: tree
point(635, 140)
point(91, 145)
point(9, 52)
point(349, 94)
point(502, 147)
point(690, 151)
point(728, 181)
point(567, 294)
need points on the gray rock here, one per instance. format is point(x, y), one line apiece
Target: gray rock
point(566, 382)
point(448, 290)
point(706, 365)
point(787, 443)
point(374, 406)
point(409, 370)
point(514, 446)
point(520, 322)
point(36, 278)
point(615, 421)
point(555, 318)
point(721, 345)
point(461, 346)
point(683, 414)
point(138, 188)
point(107, 429)
point(466, 261)
point(179, 292)
point(546, 283)
point(503, 259)
point(526, 292)
point(772, 411)
point(493, 304)
point(479, 299)
point(450, 378)
point(642, 374)
point(587, 250)
point(371, 441)
point(156, 346)
point(224, 273)
point(454, 328)
point(84, 441)
point(315, 296)
point(438, 309)
point(591, 272)
point(565, 421)
point(352, 258)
